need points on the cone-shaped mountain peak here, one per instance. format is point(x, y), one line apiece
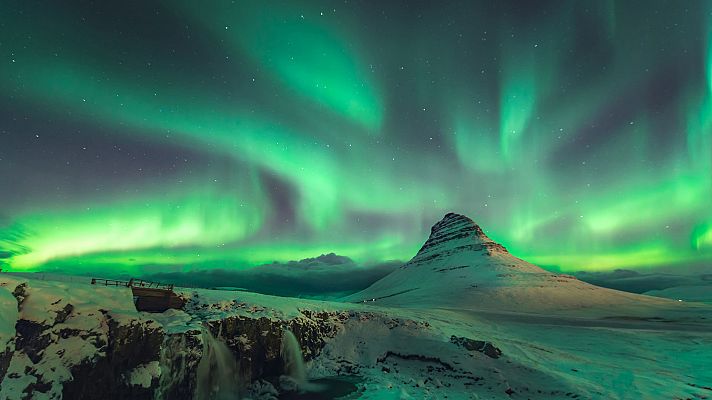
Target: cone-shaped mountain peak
point(460, 267)
point(457, 232)
point(457, 223)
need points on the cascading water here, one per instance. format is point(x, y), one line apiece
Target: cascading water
point(293, 361)
point(296, 373)
point(218, 373)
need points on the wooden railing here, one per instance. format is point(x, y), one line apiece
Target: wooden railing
point(148, 284)
point(108, 282)
point(132, 283)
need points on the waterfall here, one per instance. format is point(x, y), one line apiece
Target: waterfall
point(293, 361)
point(218, 372)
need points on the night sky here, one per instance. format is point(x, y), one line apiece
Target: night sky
point(147, 136)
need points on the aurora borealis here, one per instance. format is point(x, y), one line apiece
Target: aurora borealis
point(178, 135)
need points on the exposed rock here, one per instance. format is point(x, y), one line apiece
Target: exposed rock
point(32, 339)
point(20, 294)
point(134, 343)
point(452, 228)
point(5, 358)
point(78, 356)
point(263, 390)
point(63, 313)
point(486, 348)
point(256, 342)
point(417, 357)
point(130, 345)
point(180, 356)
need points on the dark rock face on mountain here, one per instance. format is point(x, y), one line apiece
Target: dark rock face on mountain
point(455, 233)
point(454, 226)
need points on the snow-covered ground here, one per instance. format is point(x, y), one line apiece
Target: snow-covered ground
point(56, 308)
point(587, 341)
point(410, 353)
point(463, 320)
point(702, 293)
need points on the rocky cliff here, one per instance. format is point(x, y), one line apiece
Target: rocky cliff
point(73, 341)
point(68, 343)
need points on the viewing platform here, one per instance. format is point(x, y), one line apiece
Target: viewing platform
point(148, 296)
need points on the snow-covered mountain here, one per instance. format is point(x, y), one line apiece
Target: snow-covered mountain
point(471, 322)
point(460, 267)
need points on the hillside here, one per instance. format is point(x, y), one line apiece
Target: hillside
point(460, 267)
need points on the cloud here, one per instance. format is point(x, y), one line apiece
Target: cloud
point(641, 282)
point(328, 276)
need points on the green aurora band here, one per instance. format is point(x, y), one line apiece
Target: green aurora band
point(579, 136)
